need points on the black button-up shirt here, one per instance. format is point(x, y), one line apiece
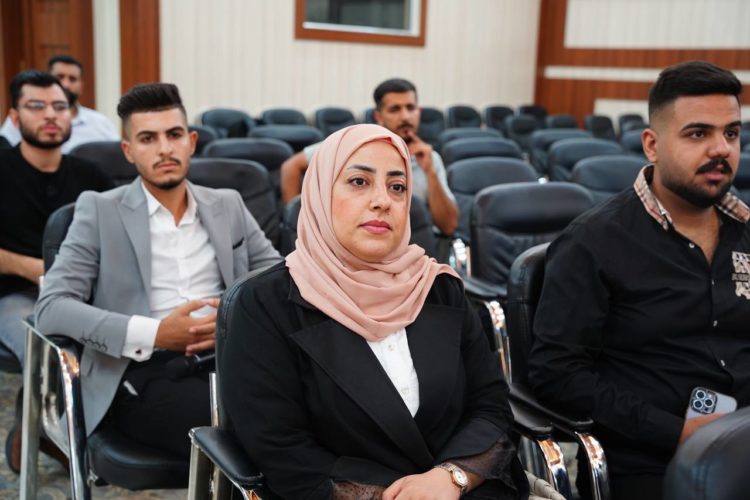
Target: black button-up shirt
point(632, 317)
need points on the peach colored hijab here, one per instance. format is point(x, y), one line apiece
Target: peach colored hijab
point(374, 299)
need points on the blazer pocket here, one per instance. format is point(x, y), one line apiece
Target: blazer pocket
point(237, 245)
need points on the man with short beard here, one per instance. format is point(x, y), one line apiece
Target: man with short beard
point(648, 296)
point(87, 125)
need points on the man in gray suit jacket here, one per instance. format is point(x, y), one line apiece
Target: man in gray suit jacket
point(139, 275)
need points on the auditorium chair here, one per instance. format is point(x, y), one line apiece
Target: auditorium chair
point(330, 119)
point(472, 147)
point(108, 156)
point(228, 122)
point(494, 117)
point(542, 140)
point(250, 179)
point(289, 218)
point(632, 126)
point(206, 135)
point(53, 391)
point(538, 112)
point(713, 463)
point(561, 121)
point(450, 134)
point(631, 142)
point(283, 116)
point(628, 117)
point(431, 124)
point(742, 177)
point(606, 176)
point(745, 135)
point(564, 154)
point(4, 144)
point(270, 153)
point(600, 127)
point(524, 288)
point(463, 116)
point(520, 128)
point(368, 115)
point(297, 136)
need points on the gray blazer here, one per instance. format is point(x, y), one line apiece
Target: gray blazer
point(102, 276)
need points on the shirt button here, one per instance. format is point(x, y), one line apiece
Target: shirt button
point(391, 347)
point(691, 244)
point(405, 391)
point(713, 282)
point(722, 363)
point(716, 322)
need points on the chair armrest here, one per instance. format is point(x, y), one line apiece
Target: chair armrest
point(484, 290)
point(521, 395)
point(222, 449)
point(529, 422)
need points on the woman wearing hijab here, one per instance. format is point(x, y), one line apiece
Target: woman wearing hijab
point(357, 369)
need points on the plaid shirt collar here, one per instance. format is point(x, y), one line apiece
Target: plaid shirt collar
point(729, 204)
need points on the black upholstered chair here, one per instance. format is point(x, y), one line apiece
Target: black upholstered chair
point(542, 140)
point(628, 117)
point(431, 124)
point(108, 156)
point(742, 177)
point(494, 117)
point(228, 122)
point(270, 153)
point(472, 147)
point(564, 154)
point(745, 136)
point(632, 126)
point(250, 179)
point(4, 144)
point(561, 121)
point(368, 115)
point(463, 116)
point(289, 225)
point(206, 135)
point(600, 127)
point(297, 136)
point(330, 119)
point(283, 116)
point(712, 464)
point(605, 176)
point(631, 142)
point(450, 134)
point(538, 112)
point(520, 128)
point(52, 378)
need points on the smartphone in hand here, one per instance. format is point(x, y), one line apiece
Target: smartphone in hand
point(707, 402)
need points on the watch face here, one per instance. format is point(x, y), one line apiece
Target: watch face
point(460, 477)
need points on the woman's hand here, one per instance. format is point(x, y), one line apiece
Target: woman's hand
point(435, 484)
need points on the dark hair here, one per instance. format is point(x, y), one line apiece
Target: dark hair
point(65, 59)
point(398, 85)
point(691, 78)
point(32, 77)
point(149, 97)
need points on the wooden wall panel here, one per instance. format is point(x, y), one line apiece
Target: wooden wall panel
point(139, 42)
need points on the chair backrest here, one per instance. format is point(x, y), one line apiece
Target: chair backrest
point(520, 128)
point(463, 116)
point(745, 136)
point(108, 156)
point(228, 122)
point(297, 136)
point(330, 119)
point(561, 121)
point(289, 225)
point(600, 127)
point(632, 126)
point(494, 117)
point(509, 218)
point(538, 112)
point(564, 154)
point(713, 463)
point(368, 115)
point(631, 142)
point(283, 116)
point(742, 177)
point(467, 177)
point(54, 233)
point(431, 124)
point(206, 135)
point(4, 144)
point(605, 176)
point(250, 179)
point(542, 140)
point(472, 147)
point(524, 289)
point(628, 117)
point(450, 134)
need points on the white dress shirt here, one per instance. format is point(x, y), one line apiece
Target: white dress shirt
point(395, 358)
point(183, 268)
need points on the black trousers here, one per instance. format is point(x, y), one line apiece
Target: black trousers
point(158, 412)
point(638, 487)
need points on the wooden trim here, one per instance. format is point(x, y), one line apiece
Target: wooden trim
point(82, 46)
point(139, 42)
point(302, 33)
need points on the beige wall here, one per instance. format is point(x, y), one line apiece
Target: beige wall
point(242, 53)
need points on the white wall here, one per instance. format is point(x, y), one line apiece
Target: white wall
point(107, 57)
point(242, 53)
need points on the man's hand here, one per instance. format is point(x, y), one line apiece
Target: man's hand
point(24, 266)
point(421, 151)
point(182, 332)
point(693, 424)
point(436, 484)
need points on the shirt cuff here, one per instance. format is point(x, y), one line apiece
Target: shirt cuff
point(140, 337)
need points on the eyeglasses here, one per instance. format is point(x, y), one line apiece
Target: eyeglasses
point(39, 106)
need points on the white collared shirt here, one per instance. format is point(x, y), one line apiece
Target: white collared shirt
point(183, 268)
point(395, 357)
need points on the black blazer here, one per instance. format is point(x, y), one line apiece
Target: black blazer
point(310, 402)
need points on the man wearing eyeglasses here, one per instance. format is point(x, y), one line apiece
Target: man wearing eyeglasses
point(87, 125)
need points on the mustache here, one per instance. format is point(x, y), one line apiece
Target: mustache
point(720, 164)
point(171, 159)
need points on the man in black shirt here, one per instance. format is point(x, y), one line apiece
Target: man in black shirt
point(648, 296)
point(35, 180)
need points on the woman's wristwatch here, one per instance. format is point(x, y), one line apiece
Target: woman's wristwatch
point(458, 476)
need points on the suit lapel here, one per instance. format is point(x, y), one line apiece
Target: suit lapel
point(134, 213)
point(349, 362)
point(217, 226)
